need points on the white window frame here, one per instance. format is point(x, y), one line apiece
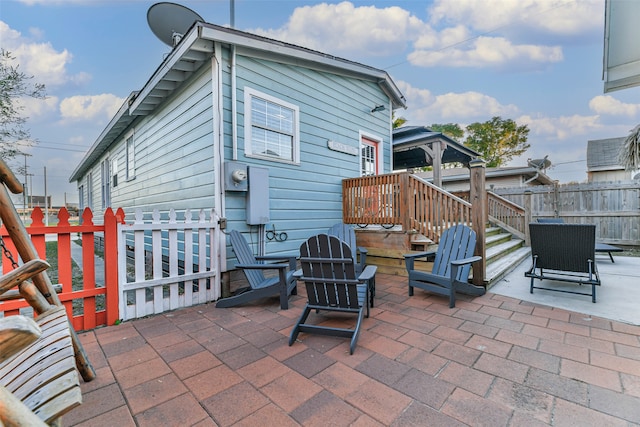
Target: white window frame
point(81, 204)
point(105, 183)
point(90, 190)
point(376, 142)
point(130, 156)
point(249, 95)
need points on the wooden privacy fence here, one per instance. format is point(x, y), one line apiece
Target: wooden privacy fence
point(175, 263)
point(613, 207)
point(86, 300)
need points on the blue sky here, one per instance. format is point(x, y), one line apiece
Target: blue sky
point(538, 62)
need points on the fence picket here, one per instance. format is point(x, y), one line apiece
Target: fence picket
point(160, 240)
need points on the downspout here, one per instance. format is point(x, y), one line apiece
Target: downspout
point(218, 150)
point(234, 127)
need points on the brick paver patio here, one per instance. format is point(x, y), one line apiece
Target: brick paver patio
point(490, 361)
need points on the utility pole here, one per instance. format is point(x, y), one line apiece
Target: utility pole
point(46, 199)
point(24, 189)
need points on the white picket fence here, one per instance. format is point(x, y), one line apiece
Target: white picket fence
point(148, 288)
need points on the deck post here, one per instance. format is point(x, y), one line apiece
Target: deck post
point(478, 199)
point(405, 207)
point(528, 216)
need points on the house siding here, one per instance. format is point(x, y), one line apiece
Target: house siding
point(307, 198)
point(173, 155)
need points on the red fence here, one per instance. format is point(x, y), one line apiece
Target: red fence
point(95, 305)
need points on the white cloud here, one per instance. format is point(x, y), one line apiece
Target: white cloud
point(346, 29)
point(40, 60)
point(90, 107)
point(33, 108)
point(562, 127)
point(461, 108)
point(607, 104)
point(560, 17)
point(488, 52)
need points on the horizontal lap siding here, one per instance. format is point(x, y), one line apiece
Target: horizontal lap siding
point(307, 198)
point(174, 154)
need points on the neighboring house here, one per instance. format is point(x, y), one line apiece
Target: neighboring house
point(261, 131)
point(457, 179)
point(602, 160)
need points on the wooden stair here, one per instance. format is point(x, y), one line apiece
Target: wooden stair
point(504, 252)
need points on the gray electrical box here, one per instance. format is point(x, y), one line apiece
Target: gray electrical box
point(258, 196)
point(235, 176)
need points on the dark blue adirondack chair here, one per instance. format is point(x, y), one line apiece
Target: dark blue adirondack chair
point(332, 284)
point(347, 234)
point(284, 284)
point(451, 266)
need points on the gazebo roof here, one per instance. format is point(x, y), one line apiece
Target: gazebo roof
point(409, 143)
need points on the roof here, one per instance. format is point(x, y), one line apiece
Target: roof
point(602, 154)
point(462, 174)
point(407, 151)
point(196, 48)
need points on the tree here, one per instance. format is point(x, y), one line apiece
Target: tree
point(452, 130)
point(497, 140)
point(396, 122)
point(14, 84)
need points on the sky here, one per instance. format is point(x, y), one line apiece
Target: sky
point(538, 62)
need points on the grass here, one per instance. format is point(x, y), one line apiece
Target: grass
point(77, 278)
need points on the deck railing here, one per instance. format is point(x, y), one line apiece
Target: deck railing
point(507, 214)
point(405, 200)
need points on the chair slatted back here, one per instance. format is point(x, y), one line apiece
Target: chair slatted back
point(457, 242)
point(346, 233)
point(328, 271)
point(245, 255)
point(565, 247)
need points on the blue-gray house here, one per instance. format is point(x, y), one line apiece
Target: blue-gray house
point(262, 131)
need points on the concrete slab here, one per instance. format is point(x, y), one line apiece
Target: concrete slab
point(618, 298)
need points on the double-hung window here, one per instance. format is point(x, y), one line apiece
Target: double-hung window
point(130, 157)
point(271, 128)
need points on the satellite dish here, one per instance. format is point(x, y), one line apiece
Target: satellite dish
point(170, 21)
point(540, 163)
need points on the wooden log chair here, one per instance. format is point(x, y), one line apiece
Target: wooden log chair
point(347, 234)
point(329, 274)
point(284, 284)
point(566, 253)
point(42, 295)
point(451, 265)
point(39, 381)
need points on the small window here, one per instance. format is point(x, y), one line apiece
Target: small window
point(369, 157)
point(90, 190)
point(81, 204)
point(272, 131)
point(130, 158)
point(114, 172)
point(105, 181)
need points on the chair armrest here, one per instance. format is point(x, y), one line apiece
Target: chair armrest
point(291, 259)
point(459, 262)
point(362, 250)
point(419, 255)
point(16, 333)
point(368, 273)
point(263, 266)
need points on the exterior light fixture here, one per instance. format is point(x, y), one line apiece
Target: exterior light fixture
point(378, 108)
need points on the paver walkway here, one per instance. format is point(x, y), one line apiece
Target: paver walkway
point(490, 361)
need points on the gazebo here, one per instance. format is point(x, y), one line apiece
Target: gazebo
point(419, 146)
